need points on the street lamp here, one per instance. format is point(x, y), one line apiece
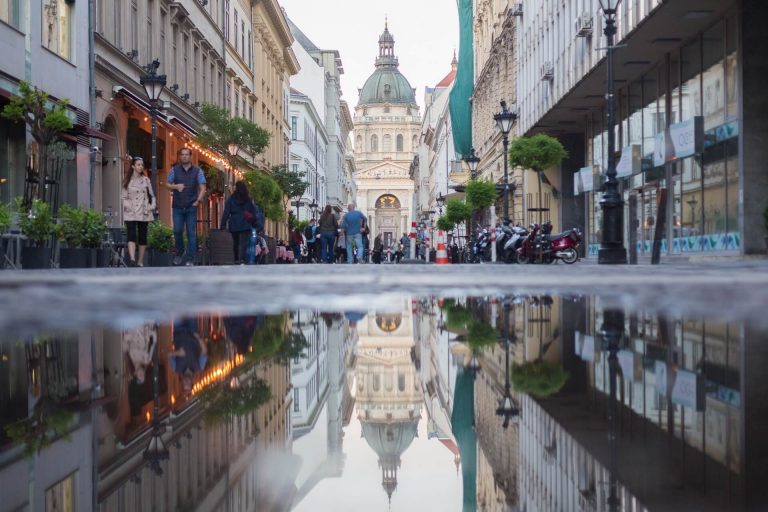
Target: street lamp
point(507, 408)
point(233, 150)
point(440, 200)
point(612, 249)
point(153, 85)
point(504, 121)
point(472, 161)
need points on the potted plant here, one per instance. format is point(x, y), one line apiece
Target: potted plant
point(82, 231)
point(765, 220)
point(37, 225)
point(5, 223)
point(160, 240)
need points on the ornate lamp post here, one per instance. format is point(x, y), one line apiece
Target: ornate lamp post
point(472, 162)
point(440, 200)
point(612, 249)
point(233, 150)
point(504, 121)
point(153, 85)
point(507, 408)
point(156, 450)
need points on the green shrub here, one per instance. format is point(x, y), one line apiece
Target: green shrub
point(81, 228)
point(457, 211)
point(480, 194)
point(445, 224)
point(5, 218)
point(539, 378)
point(160, 237)
point(37, 222)
point(481, 334)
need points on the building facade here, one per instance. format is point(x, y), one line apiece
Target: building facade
point(387, 127)
point(695, 82)
point(45, 43)
point(308, 154)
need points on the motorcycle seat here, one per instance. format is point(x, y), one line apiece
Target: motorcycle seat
point(557, 236)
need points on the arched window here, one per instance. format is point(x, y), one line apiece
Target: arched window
point(388, 201)
point(374, 143)
point(399, 142)
point(359, 143)
point(387, 145)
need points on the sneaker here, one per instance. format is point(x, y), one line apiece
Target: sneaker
point(177, 260)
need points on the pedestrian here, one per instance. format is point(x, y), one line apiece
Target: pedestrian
point(189, 356)
point(187, 182)
point(341, 246)
point(378, 249)
point(328, 225)
point(138, 209)
point(366, 249)
point(297, 240)
point(312, 235)
point(240, 216)
point(352, 224)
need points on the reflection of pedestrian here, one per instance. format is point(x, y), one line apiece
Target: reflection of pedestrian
point(240, 330)
point(189, 355)
point(139, 345)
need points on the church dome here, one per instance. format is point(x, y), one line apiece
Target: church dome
point(387, 84)
point(389, 440)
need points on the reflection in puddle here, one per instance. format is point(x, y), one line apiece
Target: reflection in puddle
point(530, 402)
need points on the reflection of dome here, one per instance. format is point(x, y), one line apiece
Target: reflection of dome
point(389, 441)
point(388, 323)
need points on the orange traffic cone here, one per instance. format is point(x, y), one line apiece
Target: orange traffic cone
point(441, 258)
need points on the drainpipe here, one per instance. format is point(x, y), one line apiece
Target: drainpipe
point(92, 98)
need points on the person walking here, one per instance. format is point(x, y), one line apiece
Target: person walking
point(352, 224)
point(378, 249)
point(312, 235)
point(328, 225)
point(296, 241)
point(239, 218)
point(138, 209)
point(187, 182)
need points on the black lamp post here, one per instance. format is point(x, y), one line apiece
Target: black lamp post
point(612, 249)
point(612, 333)
point(233, 149)
point(156, 450)
point(507, 408)
point(440, 200)
point(153, 85)
point(504, 121)
point(472, 161)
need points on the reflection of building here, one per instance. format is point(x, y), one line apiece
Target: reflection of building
point(388, 391)
point(387, 124)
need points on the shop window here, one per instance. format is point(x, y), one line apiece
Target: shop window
point(10, 12)
point(57, 27)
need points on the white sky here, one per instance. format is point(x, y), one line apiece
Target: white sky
point(425, 32)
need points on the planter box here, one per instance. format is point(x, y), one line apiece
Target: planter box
point(3, 249)
point(103, 258)
point(159, 259)
point(35, 257)
point(220, 243)
point(75, 257)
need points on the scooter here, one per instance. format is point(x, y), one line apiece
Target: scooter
point(547, 248)
point(513, 243)
point(481, 248)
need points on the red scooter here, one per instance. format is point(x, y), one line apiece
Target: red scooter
point(547, 248)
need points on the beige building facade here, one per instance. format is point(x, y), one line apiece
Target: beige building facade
point(387, 127)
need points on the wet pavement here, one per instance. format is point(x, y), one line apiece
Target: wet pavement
point(385, 388)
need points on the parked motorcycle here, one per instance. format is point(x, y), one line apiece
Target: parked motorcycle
point(512, 243)
point(548, 248)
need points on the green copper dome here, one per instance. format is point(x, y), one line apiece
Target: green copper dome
point(387, 84)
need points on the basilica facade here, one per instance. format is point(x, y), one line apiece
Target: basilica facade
point(387, 126)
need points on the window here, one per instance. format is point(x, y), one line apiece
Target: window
point(296, 400)
point(57, 27)
point(399, 142)
point(374, 143)
point(150, 34)
point(294, 128)
point(237, 104)
point(242, 38)
point(387, 144)
point(10, 12)
point(236, 27)
point(359, 143)
point(250, 49)
point(117, 20)
point(134, 26)
point(226, 20)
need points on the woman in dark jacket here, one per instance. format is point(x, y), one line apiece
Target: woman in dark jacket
point(329, 226)
point(240, 215)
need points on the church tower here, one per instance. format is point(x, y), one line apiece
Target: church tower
point(387, 127)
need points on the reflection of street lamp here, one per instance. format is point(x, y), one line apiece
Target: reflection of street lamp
point(612, 333)
point(612, 249)
point(474, 366)
point(156, 450)
point(153, 85)
point(504, 121)
point(507, 408)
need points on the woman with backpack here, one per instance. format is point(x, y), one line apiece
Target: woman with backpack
point(240, 216)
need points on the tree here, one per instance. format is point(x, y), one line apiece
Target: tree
point(537, 153)
point(457, 211)
point(290, 182)
point(46, 120)
point(266, 193)
point(480, 194)
point(445, 224)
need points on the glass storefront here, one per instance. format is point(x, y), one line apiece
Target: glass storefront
point(692, 200)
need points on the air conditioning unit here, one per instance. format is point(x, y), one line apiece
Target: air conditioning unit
point(584, 25)
point(516, 10)
point(547, 71)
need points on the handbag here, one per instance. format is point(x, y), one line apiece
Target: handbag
point(150, 200)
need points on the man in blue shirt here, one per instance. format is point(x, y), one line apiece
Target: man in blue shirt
point(352, 223)
point(187, 182)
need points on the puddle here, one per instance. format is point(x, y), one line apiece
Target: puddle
point(521, 402)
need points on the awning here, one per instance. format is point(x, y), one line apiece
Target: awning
point(80, 129)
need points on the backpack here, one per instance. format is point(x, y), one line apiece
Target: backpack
point(308, 234)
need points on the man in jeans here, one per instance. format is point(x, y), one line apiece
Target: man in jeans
point(352, 224)
point(187, 182)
